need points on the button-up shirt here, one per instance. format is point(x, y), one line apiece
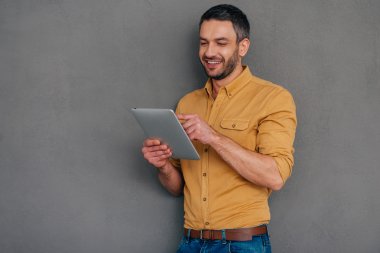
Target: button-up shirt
point(258, 115)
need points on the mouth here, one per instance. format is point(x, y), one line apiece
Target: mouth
point(212, 63)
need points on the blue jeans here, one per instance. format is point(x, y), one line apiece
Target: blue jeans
point(258, 244)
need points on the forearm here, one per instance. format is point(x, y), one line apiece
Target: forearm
point(255, 167)
point(171, 179)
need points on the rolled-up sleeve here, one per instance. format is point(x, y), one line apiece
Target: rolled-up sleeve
point(276, 132)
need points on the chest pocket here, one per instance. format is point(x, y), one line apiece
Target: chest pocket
point(234, 124)
point(240, 131)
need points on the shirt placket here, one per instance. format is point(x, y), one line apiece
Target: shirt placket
point(212, 111)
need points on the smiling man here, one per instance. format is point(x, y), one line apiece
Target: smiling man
point(243, 128)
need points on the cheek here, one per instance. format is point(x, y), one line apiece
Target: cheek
point(201, 53)
point(224, 52)
point(229, 53)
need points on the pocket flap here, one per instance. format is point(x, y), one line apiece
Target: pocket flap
point(235, 124)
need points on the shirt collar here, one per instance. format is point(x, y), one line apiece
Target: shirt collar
point(233, 86)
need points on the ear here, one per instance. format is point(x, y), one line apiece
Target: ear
point(243, 47)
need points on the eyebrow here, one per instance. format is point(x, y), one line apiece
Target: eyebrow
point(217, 39)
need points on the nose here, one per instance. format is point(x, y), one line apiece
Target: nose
point(210, 51)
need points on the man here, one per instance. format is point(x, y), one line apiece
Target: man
point(243, 128)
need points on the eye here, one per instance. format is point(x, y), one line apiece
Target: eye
point(203, 43)
point(222, 42)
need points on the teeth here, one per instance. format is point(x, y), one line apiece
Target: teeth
point(213, 62)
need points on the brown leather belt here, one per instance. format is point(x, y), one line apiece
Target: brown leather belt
point(241, 234)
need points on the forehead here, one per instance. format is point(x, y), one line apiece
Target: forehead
point(212, 29)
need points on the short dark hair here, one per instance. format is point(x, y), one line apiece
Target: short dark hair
point(228, 12)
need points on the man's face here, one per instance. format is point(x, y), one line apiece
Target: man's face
point(218, 48)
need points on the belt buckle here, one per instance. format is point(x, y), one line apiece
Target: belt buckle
point(209, 234)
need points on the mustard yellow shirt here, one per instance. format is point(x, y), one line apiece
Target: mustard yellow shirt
point(261, 117)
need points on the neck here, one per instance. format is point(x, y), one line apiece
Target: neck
point(217, 84)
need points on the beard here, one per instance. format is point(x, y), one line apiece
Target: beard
point(228, 67)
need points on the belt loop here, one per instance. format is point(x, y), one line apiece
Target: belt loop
point(188, 235)
point(224, 236)
point(201, 234)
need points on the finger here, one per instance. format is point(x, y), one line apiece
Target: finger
point(192, 132)
point(183, 116)
point(164, 156)
point(155, 150)
point(160, 153)
point(193, 120)
point(157, 147)
point(187, 124)
point(192, 124)
point(160, 158)
point(157, 156)
point(151, 142)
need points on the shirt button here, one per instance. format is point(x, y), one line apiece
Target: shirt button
point(233, 125)
point(204, 174)
point(204, 199)
point(207, 223)
point(206, 149)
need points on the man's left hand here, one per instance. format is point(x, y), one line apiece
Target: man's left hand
point(196, 128)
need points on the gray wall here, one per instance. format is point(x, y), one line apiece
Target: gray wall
point(71, 175)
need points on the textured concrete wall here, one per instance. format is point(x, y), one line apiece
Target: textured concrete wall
point(71, 175)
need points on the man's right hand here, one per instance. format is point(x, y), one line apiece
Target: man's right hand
point(156, 153)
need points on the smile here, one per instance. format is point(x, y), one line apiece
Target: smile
point(213, 62)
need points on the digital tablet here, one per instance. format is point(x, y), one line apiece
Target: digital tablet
point(164, 125)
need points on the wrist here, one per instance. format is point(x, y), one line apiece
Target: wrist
point(215, 138)
point(164, 170)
